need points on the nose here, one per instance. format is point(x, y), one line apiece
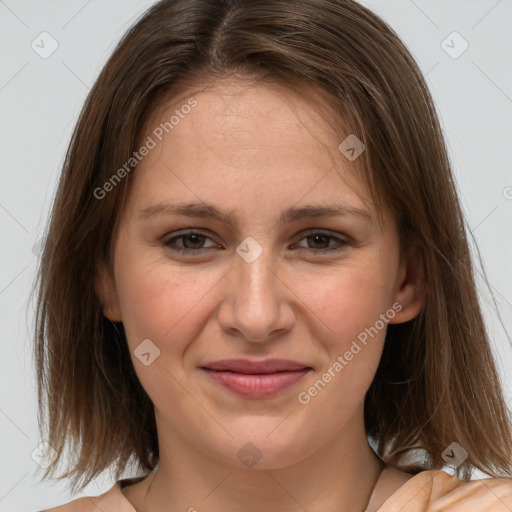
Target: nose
point(258, 303)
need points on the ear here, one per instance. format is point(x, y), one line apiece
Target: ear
point(409, 290)
point(105, 288)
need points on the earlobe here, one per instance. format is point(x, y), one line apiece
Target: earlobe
point(409, 288)
point(105, 288)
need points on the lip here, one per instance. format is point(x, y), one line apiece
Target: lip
point(248, 366)
point(256, 379)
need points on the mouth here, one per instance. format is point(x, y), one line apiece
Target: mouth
point(256, 379)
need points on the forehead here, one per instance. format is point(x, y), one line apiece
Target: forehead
point(246, 117)
point(241, 142)
point(247, 96)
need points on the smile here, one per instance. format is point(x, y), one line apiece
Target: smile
point(251, 378)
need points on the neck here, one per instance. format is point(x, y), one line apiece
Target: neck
point(340, 477)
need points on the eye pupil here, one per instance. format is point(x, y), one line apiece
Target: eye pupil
point(318, 239)
point(193, 239)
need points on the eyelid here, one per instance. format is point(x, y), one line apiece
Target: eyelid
point(166, 240)
point(341, 239)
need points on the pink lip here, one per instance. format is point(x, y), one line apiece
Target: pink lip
point(256, 379)
point(248, 366)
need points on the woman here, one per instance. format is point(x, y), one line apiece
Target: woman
point(256, 281)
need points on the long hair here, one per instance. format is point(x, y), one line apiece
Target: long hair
point(436, 382)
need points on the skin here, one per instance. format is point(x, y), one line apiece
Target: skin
point(255, 150)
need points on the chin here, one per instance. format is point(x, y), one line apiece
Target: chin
point(260, 445)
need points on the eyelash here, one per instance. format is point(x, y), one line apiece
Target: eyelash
point(196, 252)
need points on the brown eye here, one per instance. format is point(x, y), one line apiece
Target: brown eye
point(318, 241)
point(193, 241)
point(189, 243)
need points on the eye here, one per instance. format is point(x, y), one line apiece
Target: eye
point(196, 243)
point(188, 242)
point(319, 241)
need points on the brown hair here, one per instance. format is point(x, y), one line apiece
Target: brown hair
point(436, 382)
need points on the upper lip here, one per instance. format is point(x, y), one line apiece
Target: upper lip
point(247, 366)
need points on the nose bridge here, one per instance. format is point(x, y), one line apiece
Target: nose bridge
point(255, 282)
point(257, 306)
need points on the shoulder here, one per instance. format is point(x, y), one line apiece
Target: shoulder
point(110, 501)
point(484, 495)
point(439, 491)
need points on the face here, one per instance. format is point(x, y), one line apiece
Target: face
point(249, 235)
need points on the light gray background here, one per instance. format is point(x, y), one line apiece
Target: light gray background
point(40, 100)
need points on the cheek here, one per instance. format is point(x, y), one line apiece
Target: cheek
point(347, 309)
point(158, 301)
point(347, 300)
point(167, 306)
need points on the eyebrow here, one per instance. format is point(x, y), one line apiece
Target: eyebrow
point(294, 214)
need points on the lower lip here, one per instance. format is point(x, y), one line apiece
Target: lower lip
point(257, 385)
